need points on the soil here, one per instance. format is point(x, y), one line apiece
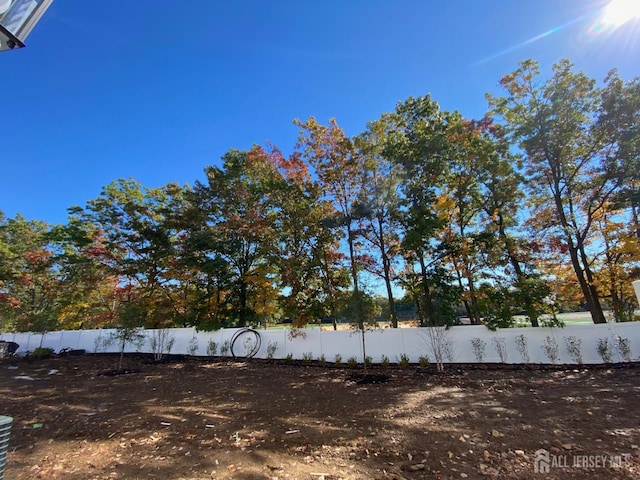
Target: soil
point(197, 419)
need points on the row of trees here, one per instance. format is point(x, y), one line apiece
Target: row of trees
point(530, 209)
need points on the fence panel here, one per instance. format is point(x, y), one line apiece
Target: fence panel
point(590, 344)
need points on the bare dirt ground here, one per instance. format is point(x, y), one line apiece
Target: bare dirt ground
point(202, 419)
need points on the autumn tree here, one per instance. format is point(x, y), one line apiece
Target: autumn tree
point(577, 156)
point(237, 235)
point(337, 165)
point(379, 203)
point(131, 220)
point(30, 291)
point(416, 142)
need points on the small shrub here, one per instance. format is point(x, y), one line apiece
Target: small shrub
point(101, 343)
point(623, 345)
point(337, 359)
point(322, 361)
point(403, 361)
point(161, 342)
point(550, 347)
point(604, 350)
point(523, 349)
point(193, 347)
point(42, 352)
point(272, 348)
point(224, 348)
point(368, 361)
point(212, 348)
point(500, 345)
point(424, 361)
point(479, 347)
point(288, 358)
point(384, 361)
point(307, 358)
point(574, 348)
point(352, 361)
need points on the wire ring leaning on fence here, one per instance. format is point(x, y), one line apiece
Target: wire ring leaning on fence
point(247, 334)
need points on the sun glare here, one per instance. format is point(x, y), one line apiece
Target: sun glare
point(618, 12)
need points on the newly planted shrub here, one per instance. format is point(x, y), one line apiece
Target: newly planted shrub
point(384, 361)
point(604, 350)
point(479, 347)
point(441, 345)
point(500, 344)
point(403, 361)
point(161, 342)
point(272, 348)
point(550, 348)
point(574, 348)
point(368, 361)
point(523, 348)
point(193, 347)
point(41, 352)
point(623, 345)
point(212, 348)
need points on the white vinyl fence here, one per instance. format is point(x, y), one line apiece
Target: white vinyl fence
point(589, 344)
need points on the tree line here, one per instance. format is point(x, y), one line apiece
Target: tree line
point(530, 210)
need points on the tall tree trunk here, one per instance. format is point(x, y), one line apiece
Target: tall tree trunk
point(386, 266)
point(427, 305)
point(242, 298)
point(529, 307)
point(588, 291)
point(577, 253)
point(467, 307)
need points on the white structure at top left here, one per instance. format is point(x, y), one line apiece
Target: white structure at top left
point(17, 19)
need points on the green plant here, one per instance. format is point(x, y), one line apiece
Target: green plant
point(604, 350)
point(337, 359)
point(212, 348)
point(352, 361)
point(368, 361)
point(42, 352)
point(384, 361)
point(574, 348)
point(192, 348)
point(423, 361)
point(322, 361)
point(288, 358)
point(126, 335)
point(523, 349)
point(272, 347)
point(440, 344)
point(500, 345)
point(101, 343)
point(307, 358)
point(623, 345)
point(550, 347)
point(479, 347)
point(161, 342)
point(403, 361)
point(224, 348)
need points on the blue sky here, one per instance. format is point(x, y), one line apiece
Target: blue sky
point(156, 90)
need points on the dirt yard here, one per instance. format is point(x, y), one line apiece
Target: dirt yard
point(222, 420)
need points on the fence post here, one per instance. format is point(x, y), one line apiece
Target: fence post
point(5, 431)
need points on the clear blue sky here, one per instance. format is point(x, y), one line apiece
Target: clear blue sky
point(157, 89)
